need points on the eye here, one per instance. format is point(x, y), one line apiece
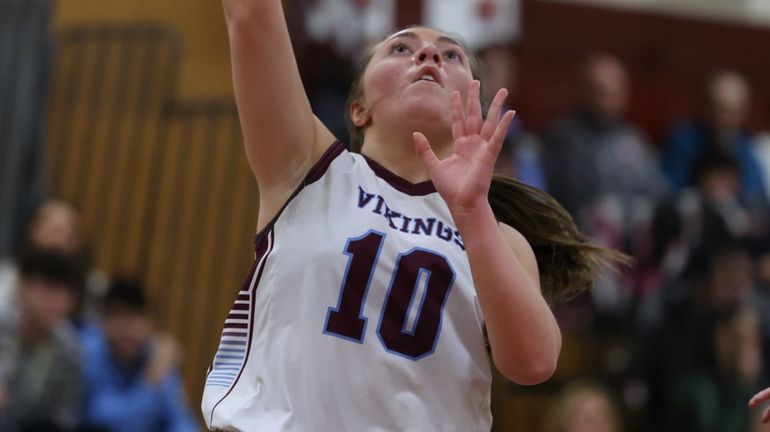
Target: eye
point(453, 55)
point(400, 48)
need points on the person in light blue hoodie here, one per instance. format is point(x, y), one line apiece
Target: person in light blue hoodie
point(132, 383)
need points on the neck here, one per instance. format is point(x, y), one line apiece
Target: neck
point(395, 151)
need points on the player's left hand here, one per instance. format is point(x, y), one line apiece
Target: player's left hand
point(463, 178)
point(758, 400)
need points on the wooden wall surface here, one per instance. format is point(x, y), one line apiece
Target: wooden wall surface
point(162, 184)
point(205, 69)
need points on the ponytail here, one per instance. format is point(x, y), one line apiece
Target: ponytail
point(567, 261)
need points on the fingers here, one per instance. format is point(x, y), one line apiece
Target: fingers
point(496, 142)
point(759, 398)
point(493, 116)
point(473, 125)
point(458, 120)
point(422, 146)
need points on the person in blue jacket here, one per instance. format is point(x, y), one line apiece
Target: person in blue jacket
point(132, 383)
point(721, 130)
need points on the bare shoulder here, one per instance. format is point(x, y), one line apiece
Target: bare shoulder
point(522, 249)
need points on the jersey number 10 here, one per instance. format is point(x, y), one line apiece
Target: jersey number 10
point(346, 320)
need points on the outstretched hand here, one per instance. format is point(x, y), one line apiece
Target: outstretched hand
point(463, 178)
point(758, 400)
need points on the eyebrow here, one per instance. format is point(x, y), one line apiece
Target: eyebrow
point(413, 35)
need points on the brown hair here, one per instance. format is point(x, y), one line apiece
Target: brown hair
point(568, 263)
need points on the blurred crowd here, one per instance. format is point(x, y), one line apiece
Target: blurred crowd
point(681, 337)
point(78, 352)
point(680, 340)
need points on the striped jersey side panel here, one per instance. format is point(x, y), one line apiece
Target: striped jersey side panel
point(234, 344)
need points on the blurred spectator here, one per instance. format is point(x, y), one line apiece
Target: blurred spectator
point(762, 151)
point(700, 218)
point(717, 178)
point(720, 130)
point(711, 395)
point(39, 364)
point(730, 280)
point(520, 155)
point(760, 300)
point(689, 222)
point(25, 63)
point(718, 282)
point(132, 379)
point(585, 406)
point(480, 23)
point(56, 226)
point(600, 168)
point(593, 152)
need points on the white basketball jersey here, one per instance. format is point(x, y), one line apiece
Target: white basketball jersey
point(359, 314)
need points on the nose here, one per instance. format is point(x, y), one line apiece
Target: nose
point(428, 53)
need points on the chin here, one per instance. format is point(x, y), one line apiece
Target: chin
point(427, 111)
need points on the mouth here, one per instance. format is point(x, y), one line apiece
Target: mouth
point(428, 74)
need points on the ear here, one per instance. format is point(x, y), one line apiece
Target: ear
point(359, 114)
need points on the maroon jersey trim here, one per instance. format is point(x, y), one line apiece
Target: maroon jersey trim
point(315, 174)
point(264, 248)
point(399, 183)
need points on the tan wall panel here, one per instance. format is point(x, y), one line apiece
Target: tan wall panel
point(206, 61)
point(163, 183)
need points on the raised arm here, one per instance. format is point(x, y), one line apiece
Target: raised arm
point(282, 137)
point(523, 333)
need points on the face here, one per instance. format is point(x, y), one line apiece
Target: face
point(410, 79)
point(45, 304)
point(127, 332)
point(591, 413)
point(606, 87)
point(56, 227)
point(720, 185)
point(728, 101)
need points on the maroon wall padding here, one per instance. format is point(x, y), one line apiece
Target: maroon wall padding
point(667, 57)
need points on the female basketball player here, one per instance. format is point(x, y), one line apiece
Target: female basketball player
point(758, 400)
point(382, 280)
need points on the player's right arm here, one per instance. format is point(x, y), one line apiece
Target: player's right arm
point(282, 137)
